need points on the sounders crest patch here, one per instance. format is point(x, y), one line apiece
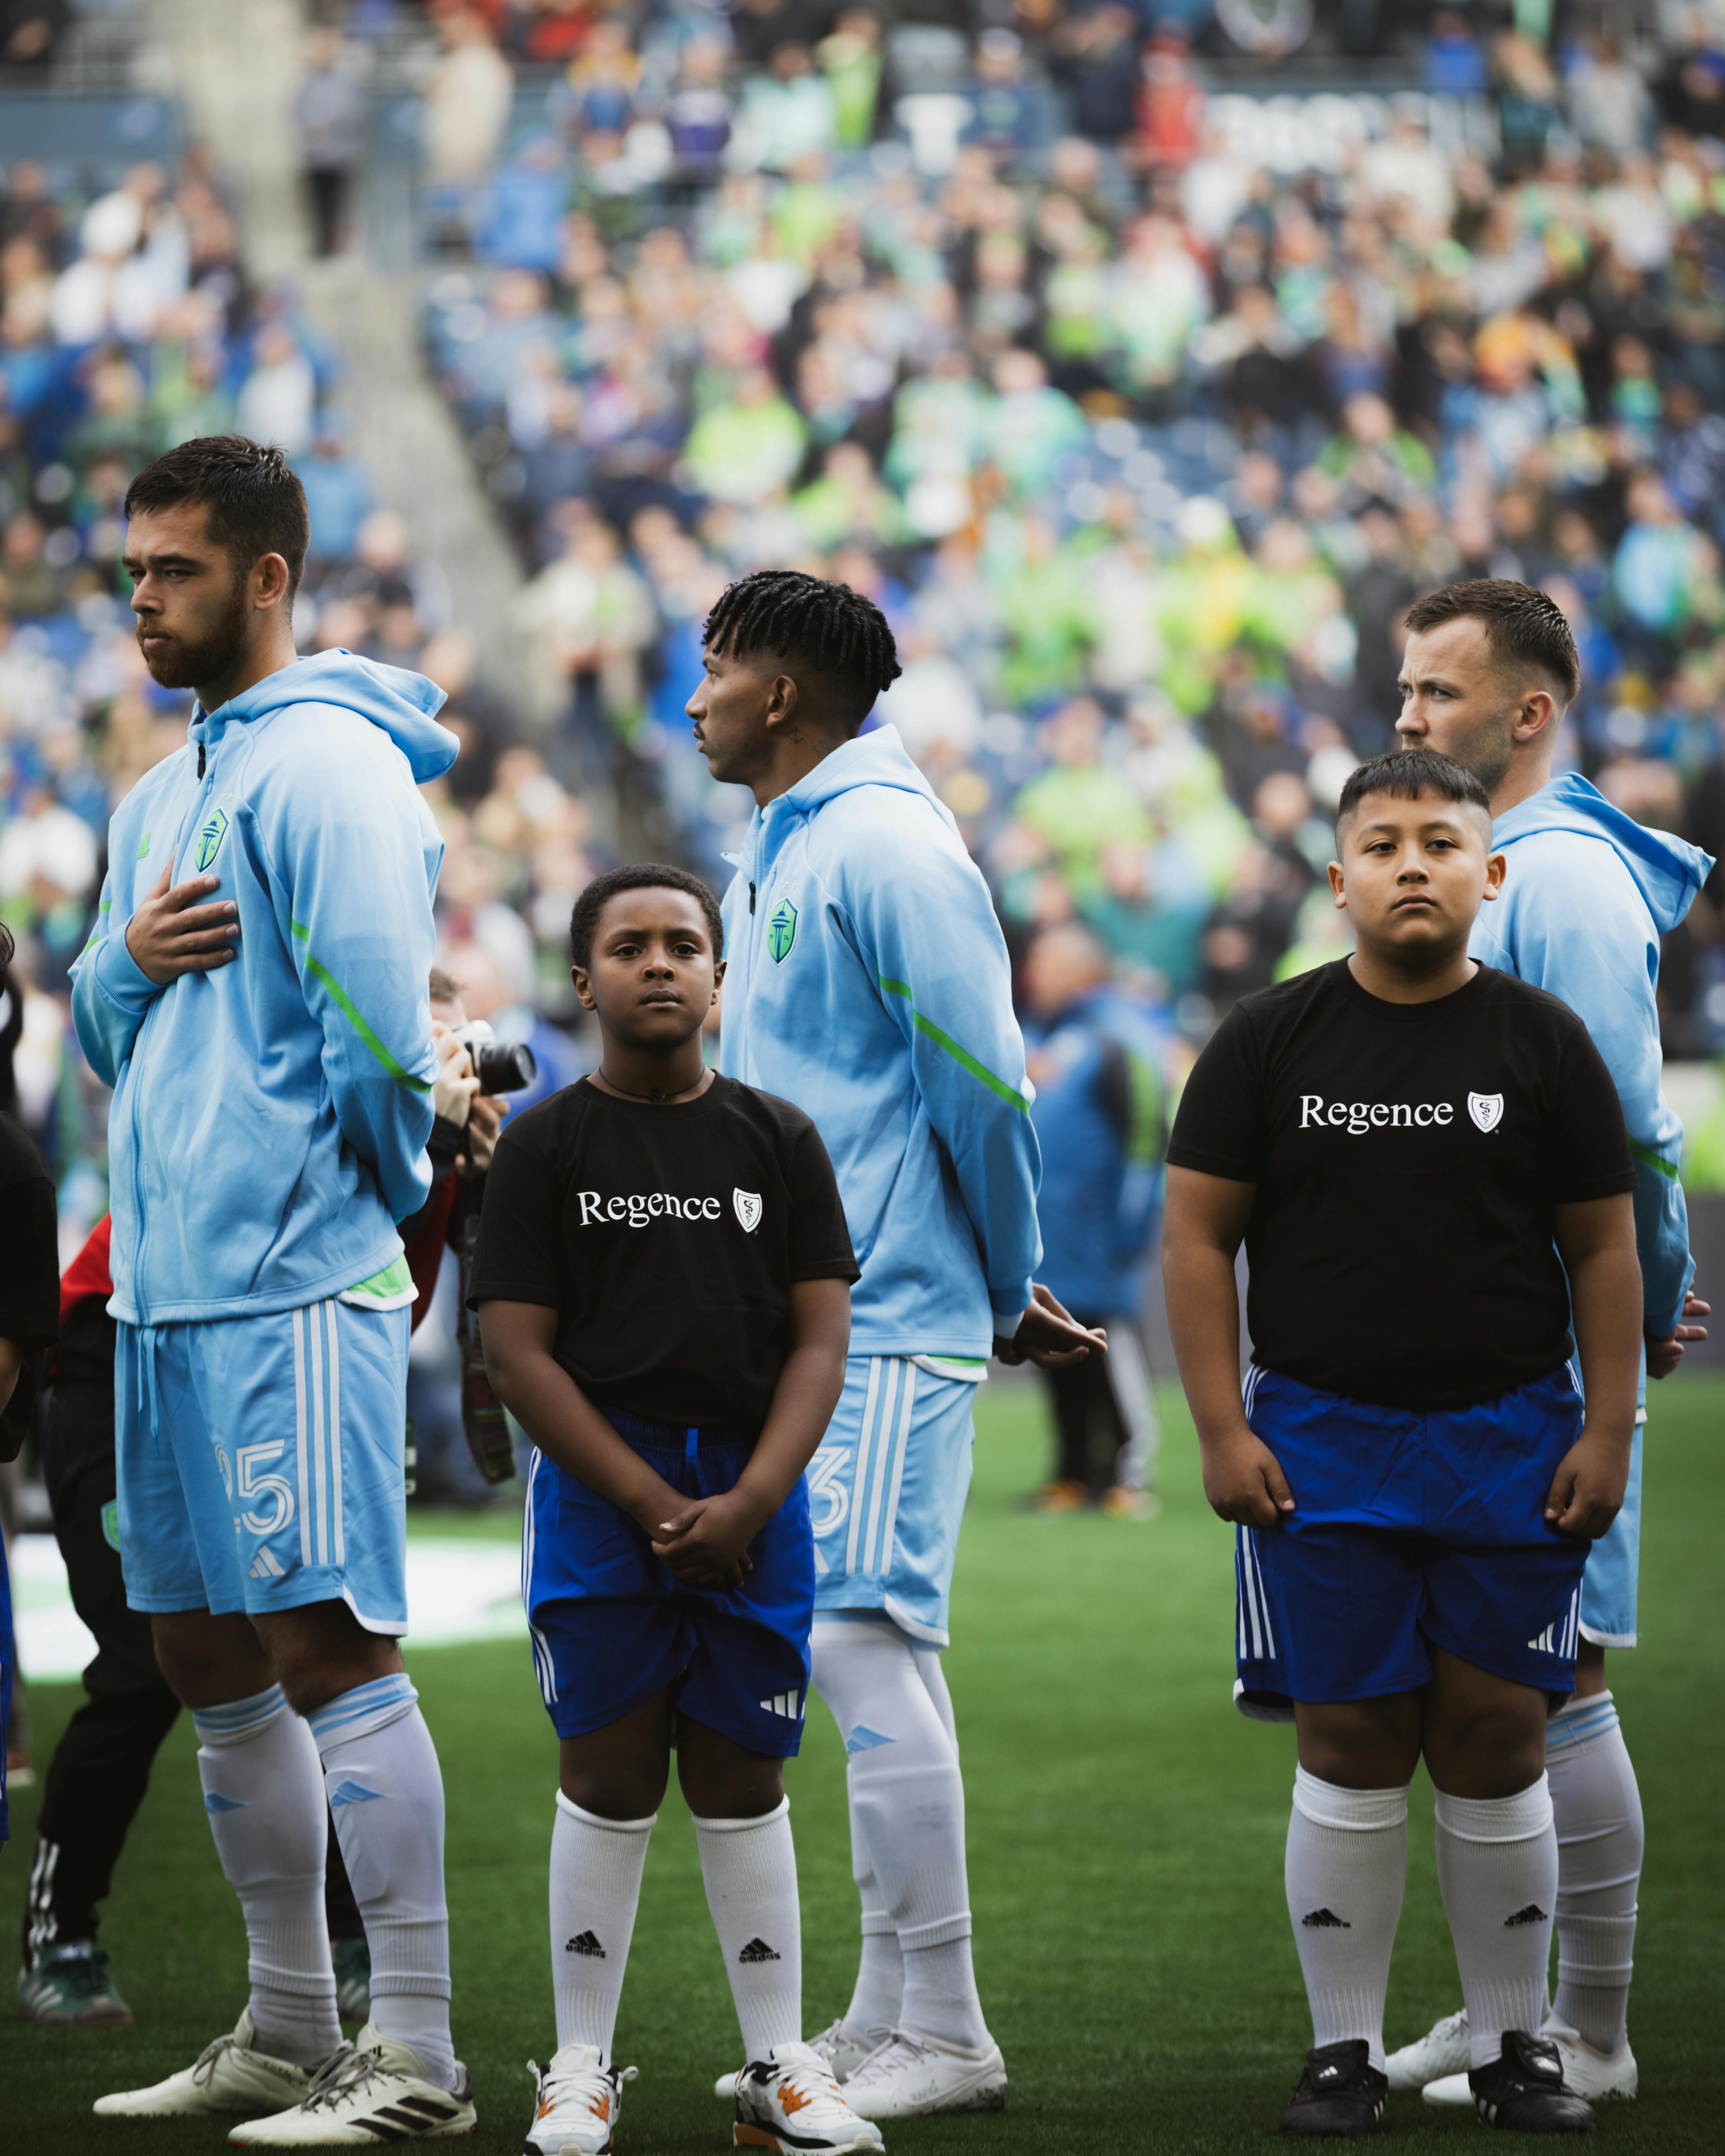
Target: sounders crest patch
point(210, 838)
point(782, 931)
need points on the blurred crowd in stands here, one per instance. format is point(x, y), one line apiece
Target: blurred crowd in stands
point(1142, 407)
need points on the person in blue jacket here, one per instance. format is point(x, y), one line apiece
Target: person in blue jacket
point(869, 984)
point(1098, 1115)
point(1490, 668)
point(255, 992)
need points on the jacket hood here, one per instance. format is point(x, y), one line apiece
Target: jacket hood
point(401, 703)
point(871, 759)
point(1668, 871)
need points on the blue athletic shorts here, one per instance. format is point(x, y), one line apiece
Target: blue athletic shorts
point(886, 1490)
point(612, 1626)
point(260, 1462)
point(1410, 1531)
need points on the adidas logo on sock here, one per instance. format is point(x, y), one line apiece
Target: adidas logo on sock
point(784, 1703)
point(1324, 1920)
point(757, 1950)
point(1532, 1914)
point(584, 1942)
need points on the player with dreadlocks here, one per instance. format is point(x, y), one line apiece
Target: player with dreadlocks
point(869, 984)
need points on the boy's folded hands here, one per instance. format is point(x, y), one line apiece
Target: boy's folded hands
point(706, 1541)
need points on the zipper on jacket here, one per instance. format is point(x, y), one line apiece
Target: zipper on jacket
point(751, 898)
point(200, 759)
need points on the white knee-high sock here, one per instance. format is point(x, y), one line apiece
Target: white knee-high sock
point(1346, 1871)
point(596, 1867)
point(386, 1792)
point(750, 1868)
point(1497, 1871)
point(879, 1991)
point(907, 1808)
point(1597, 1807)
point(264, 1797)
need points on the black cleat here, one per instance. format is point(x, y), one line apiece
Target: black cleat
point(1523, 2091)
point(1339, 2092)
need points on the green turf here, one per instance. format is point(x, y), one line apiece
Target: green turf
point(1126, 1836)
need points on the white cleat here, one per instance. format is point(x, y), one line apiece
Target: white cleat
point(230, 2075)
point(792, 2103)
point(1440, 2052)
point(842, 2051)
point(1598, 2077)
point(911, 2077)
point(373, 2089)
point(579, 2100)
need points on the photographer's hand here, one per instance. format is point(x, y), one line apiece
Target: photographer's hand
point(484, 1122)
point(171, 933)
point(453, 1089)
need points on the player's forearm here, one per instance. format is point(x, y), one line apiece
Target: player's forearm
point(802, 1403)
point(1203, 1300)
point(1605, 1298)
point(569, 1430)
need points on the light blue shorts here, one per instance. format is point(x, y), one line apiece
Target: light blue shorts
point(260, 1463)
point(1613, 1566)
point(886, 1490)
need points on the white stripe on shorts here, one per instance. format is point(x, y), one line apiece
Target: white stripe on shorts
point(898, 1469)
point(329, 1313)
point(881, 1457)
point(300, 1448)
point(319, 1463)
point(861, 1468)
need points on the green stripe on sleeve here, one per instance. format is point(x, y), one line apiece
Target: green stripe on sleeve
point(319, 972)
point(1648, 1158)
point(962, 1056)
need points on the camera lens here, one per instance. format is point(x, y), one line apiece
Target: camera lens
point(505, 1066)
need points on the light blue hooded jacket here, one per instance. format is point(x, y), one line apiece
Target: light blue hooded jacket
point(869, 984)
point(269, 1122)
point(1588, 894)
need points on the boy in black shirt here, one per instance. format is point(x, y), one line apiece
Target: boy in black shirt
point(1400, 1138)
point(663, 1278)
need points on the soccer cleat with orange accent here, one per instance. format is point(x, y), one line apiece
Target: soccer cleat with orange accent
point(579, 2100)
point(835, 2045)
point(791, 2102)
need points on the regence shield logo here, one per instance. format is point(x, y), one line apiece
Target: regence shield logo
point(210, 838)
point(782, 931)
point(1487, 1109)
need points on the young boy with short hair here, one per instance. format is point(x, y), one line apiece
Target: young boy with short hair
point(664, 1285)
point(1409, 1143)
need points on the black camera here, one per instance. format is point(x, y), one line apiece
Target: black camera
point(501, 1066)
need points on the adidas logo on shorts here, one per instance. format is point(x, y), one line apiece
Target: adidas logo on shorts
point(784, 1703)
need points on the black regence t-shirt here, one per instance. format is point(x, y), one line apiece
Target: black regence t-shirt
point(667, 1240)
point(1408, 1156)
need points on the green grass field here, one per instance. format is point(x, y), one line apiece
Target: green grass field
point(1126, 1839)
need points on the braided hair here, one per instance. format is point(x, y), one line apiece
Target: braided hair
point(835, 630)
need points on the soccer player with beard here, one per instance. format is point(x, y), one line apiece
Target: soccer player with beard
point(254, 991)
point(869, 984)
point(1407, 1141)
point(1490, 668)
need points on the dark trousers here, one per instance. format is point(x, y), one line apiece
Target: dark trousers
point(1105, 1427)
point(326, 185)
point(100, 1768)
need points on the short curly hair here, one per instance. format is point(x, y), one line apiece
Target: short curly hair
point(639, 875)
